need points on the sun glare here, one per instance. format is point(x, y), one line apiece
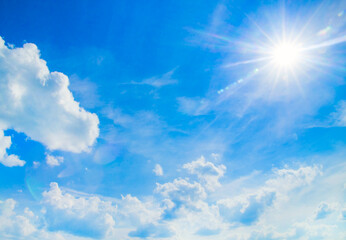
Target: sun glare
point(286, 54)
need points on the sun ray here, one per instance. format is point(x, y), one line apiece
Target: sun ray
point(328, 43)
point(260, 29)
point(261, 59)
point(308, 22)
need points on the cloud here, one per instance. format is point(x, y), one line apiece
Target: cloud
point(23, 224)
point(131, 210)
point(287, 179)
point(8, 160)
point(82, 216)
point(181, 191)
point(339, 117)
point(324, 209)
point(158, 170)
point(194, 106)
point(54, 161)
point(159, 81)
point(343, 214)
point(152, 231)
point(13, 224)
point(142, 133)
point(248, 207)
point(38, 102)
point(245, 209)
point(207, 172)
point(273, 206)
point(85, 91)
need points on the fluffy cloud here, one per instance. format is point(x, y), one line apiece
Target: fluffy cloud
point(158, 170)
point(247, 208)
point(82, 216)
point(54, 161)
point(38, 102)
point(131, 210)
point(8, 160)
point(182, 197)
point(25, 225)
point(13, 224)
point(181, 191)
point(207, 172)
point(272, 207)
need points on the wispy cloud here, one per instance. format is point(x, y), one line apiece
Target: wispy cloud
point(159, 81)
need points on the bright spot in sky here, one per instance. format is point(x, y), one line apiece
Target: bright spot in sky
point(286, 54)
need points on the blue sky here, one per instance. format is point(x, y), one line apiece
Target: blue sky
point(172, 119)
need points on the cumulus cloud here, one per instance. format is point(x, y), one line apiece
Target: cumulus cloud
point(180, 194)
point(38, 102)
point(8, 160)
point(23, 224)
point(180, 190)
point(131, 210)
point(273, 207)
point(13, 224)
point(158, 170)
point(247, 208)
point(207, 172)
point(287, 179)
point(82, 216)
point(54, 161)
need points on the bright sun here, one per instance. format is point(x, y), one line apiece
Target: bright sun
point(286, 55)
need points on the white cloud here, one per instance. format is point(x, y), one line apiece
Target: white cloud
point(339, 117)
point(324, 209)
point(287, 179)
point(283, 204)
point(82, 216)
point(207, 172)
point(142, 133)
point(194, 106)
point(8, 160)
point(54, 161)
point(13, 224)
point(158, 231)
point(38, 102)
point(159, 81)
point(247, 207)
point(158, 170)
point(85, 91)
point(26, 225)
point(181, 191)
point(131, 210)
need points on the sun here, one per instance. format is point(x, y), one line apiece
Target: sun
point(286, 55)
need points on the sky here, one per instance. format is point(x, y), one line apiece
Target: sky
point(172, 120)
